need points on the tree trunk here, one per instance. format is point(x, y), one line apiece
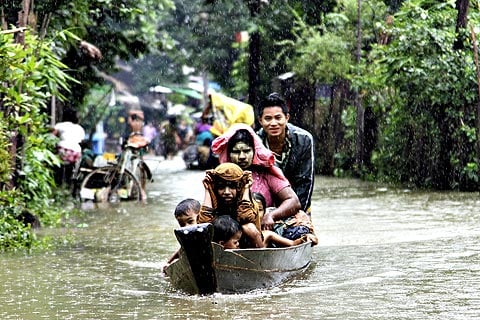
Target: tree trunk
point(359, 150)
point(444, 175)
point(370, 137)
point(461, 25)
point(477, 113)
point(22, 21)
point(254, 57)
point(330, 136)
point(17, 139)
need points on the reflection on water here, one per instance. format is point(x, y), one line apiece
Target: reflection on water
point(384, 254)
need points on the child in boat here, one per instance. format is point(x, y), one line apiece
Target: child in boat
point(227, 191)
point(271, 238)
point(261, 202)
point(227, 232)
point(186, 213)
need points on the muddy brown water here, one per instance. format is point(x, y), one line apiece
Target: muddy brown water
point(384, 253)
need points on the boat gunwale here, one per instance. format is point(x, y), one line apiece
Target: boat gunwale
point(239, 251)
point(230, 267)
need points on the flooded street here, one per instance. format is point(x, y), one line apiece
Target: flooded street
point(383, 254)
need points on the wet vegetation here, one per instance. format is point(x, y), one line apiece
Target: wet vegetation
point(390, 89)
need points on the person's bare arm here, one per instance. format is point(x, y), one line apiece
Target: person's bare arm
point(248, 181)
point(172, 258)
point(209, 197)
point(209, 200)
point(272, 237)
point(289, 205)
point(90, 50)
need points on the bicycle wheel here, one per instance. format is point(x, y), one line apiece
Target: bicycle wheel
point(77, 179)
point(107, 184)
point(142, 173)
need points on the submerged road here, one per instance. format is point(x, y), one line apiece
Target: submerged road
point(384, 253)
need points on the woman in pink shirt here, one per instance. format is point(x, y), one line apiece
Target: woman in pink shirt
point(242, 146)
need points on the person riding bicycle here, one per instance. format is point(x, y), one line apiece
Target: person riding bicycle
point(135, 123)
point(137, 140)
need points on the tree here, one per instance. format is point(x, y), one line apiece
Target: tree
point(122, 29)
point(329, 55)
point(461, 25)
point(269, 22)
point(205, 33)
point(31, 74)
point(428, 133)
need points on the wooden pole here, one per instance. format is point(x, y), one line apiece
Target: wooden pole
point(477, 114)
point(17, 140)
point(254, 57)
point(360, 123)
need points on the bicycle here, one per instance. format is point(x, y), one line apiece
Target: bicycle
point(124, 180)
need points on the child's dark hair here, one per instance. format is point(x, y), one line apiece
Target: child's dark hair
point(261, 198)
point(274, 99)
point(224, 228)
point(185, 205)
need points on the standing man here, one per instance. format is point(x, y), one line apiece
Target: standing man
point(292, 146)
point(70, 135)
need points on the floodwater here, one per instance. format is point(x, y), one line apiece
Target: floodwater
point(384, 253)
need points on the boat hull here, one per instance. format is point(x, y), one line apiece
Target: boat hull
point(208, 268)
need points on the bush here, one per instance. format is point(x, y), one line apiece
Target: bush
point(31, 75)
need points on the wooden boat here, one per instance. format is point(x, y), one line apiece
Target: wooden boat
point(204, 267)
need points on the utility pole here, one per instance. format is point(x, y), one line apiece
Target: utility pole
point(254, 57)
point(360, 123)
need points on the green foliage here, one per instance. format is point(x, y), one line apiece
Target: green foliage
point(5, 159)
point(329, 51)
point(427, 132)
point(203, 37)
point(204, 33)
point(121, 29)
point(423, 92)
point(238, 74)
point(421, 53)
point(326, 52)
point(31, 75)
point(13, 233)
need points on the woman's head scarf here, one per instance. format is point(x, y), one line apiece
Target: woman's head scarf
point(262, 156)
